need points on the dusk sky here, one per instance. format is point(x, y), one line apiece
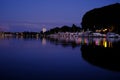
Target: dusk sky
point(20, 15)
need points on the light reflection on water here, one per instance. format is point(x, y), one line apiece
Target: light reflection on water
point(53, 59)
point(44, 41)
point(97, 41)
point(104, 42)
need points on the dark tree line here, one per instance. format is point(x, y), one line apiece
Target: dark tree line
point(73, 28)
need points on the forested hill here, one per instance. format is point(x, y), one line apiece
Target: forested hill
point(104, 17)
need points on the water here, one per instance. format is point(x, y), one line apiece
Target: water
point(52, 59)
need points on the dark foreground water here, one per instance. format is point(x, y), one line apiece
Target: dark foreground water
point(52, 59)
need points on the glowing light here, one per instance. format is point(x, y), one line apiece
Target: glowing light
point(105, 44)
point(44, 30)
point(97, 42)
point(104, 30)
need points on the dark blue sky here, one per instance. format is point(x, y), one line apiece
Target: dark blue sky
point(49, 13)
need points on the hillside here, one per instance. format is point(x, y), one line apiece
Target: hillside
point(104, 17)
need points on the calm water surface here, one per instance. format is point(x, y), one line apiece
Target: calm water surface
point(48, 59)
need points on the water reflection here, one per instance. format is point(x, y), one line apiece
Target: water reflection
point(107, 58)
point(68, 41)
point(101, 52)
point(44, 41)
point(103, 42)
point(24, 37)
